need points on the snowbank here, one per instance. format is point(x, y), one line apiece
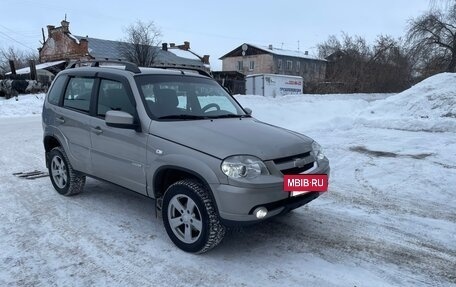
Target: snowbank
point(26, 105)
point(434, 97)
point(304, 112)
point(428, 106)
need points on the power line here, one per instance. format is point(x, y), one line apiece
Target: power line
point(12, 39)
point(21, 33)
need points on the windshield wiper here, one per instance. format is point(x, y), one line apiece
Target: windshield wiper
point(229, 116)
point(182, 117)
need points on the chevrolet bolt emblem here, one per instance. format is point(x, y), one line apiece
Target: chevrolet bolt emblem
point(299, 162)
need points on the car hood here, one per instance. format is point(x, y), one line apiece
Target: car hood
point(225, 137)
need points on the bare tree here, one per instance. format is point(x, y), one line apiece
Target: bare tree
point(388, 68)
point(20, 58)
point(445, 4)
point(356, 66)
point(141, 43)
point(432, 39)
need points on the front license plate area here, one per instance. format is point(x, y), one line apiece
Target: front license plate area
point(298, 184)
point(298, 193)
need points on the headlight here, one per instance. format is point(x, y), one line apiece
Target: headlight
point(243, 166)
point(317, 151)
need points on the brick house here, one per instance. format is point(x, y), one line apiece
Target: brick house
point(254, 59)
point(62, 45)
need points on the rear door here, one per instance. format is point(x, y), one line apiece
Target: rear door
point(118, 155)
point(73, 120)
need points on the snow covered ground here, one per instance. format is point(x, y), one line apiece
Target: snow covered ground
point(389, 218)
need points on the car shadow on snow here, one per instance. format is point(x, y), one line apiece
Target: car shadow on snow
point(287, 232)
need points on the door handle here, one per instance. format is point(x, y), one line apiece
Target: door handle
point(97, 130)
point(60, 120)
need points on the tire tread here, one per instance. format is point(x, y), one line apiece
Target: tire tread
point(76, 179)
point(216, 230)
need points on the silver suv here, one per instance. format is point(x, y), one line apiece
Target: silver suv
point(177, 136)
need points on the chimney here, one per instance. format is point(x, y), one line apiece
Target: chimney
point(65, 26)
point(270, 47)
point(165, 46)
point(186, 45)
point(306, 53)
point(172, 45)
point(84, 44)
point(205, 59)
point(50, 28)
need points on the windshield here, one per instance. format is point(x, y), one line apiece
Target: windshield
point(180, 97)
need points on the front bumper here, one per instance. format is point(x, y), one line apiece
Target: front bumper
point(236, 204)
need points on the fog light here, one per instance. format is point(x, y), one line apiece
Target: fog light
point(260, 212)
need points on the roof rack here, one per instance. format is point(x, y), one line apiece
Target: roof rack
point(129, 66)
point(185, 68)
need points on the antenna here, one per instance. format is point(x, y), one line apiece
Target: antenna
point(65, 16)
point(281, 47)
point(298, 45)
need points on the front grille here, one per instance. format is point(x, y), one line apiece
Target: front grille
point(295, 164)
point(291, 158)
point(296, 170)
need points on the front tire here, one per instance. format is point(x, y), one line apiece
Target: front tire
point(64, 178)
point(190, 217)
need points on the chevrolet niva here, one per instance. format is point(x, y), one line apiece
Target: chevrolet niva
point(179, 137)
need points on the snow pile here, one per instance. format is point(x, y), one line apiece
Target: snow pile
point(304, 112)
point(429, 106)
point(26, 105)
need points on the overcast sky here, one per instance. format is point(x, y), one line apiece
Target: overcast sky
point(212, 27)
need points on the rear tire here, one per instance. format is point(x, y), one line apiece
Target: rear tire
point(64, 178)
point(190, 217)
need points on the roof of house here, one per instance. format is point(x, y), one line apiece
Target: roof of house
point(100, 48)
point(276, 51)
point(43, 66)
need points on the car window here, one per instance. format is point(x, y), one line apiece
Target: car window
point(113, 96)
point(78, 93)
point(211, 97)
point(171, 95)
point(56, 91)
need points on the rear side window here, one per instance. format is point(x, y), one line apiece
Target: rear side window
point(78, 93)
point(56, 91)
point(113, 96)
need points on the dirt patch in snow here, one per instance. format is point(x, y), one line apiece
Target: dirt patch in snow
point(377, 153)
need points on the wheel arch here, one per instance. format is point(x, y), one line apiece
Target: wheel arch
point(169, 174)
point(50, 142)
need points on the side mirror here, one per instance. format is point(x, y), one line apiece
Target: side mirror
point(248, 111)
point(119, 119)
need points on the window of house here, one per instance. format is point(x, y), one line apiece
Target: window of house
point(252, 65)
point(240, 65)
point(298, 66)
point(289, 65)
point(78, 93)
point(279, 64)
